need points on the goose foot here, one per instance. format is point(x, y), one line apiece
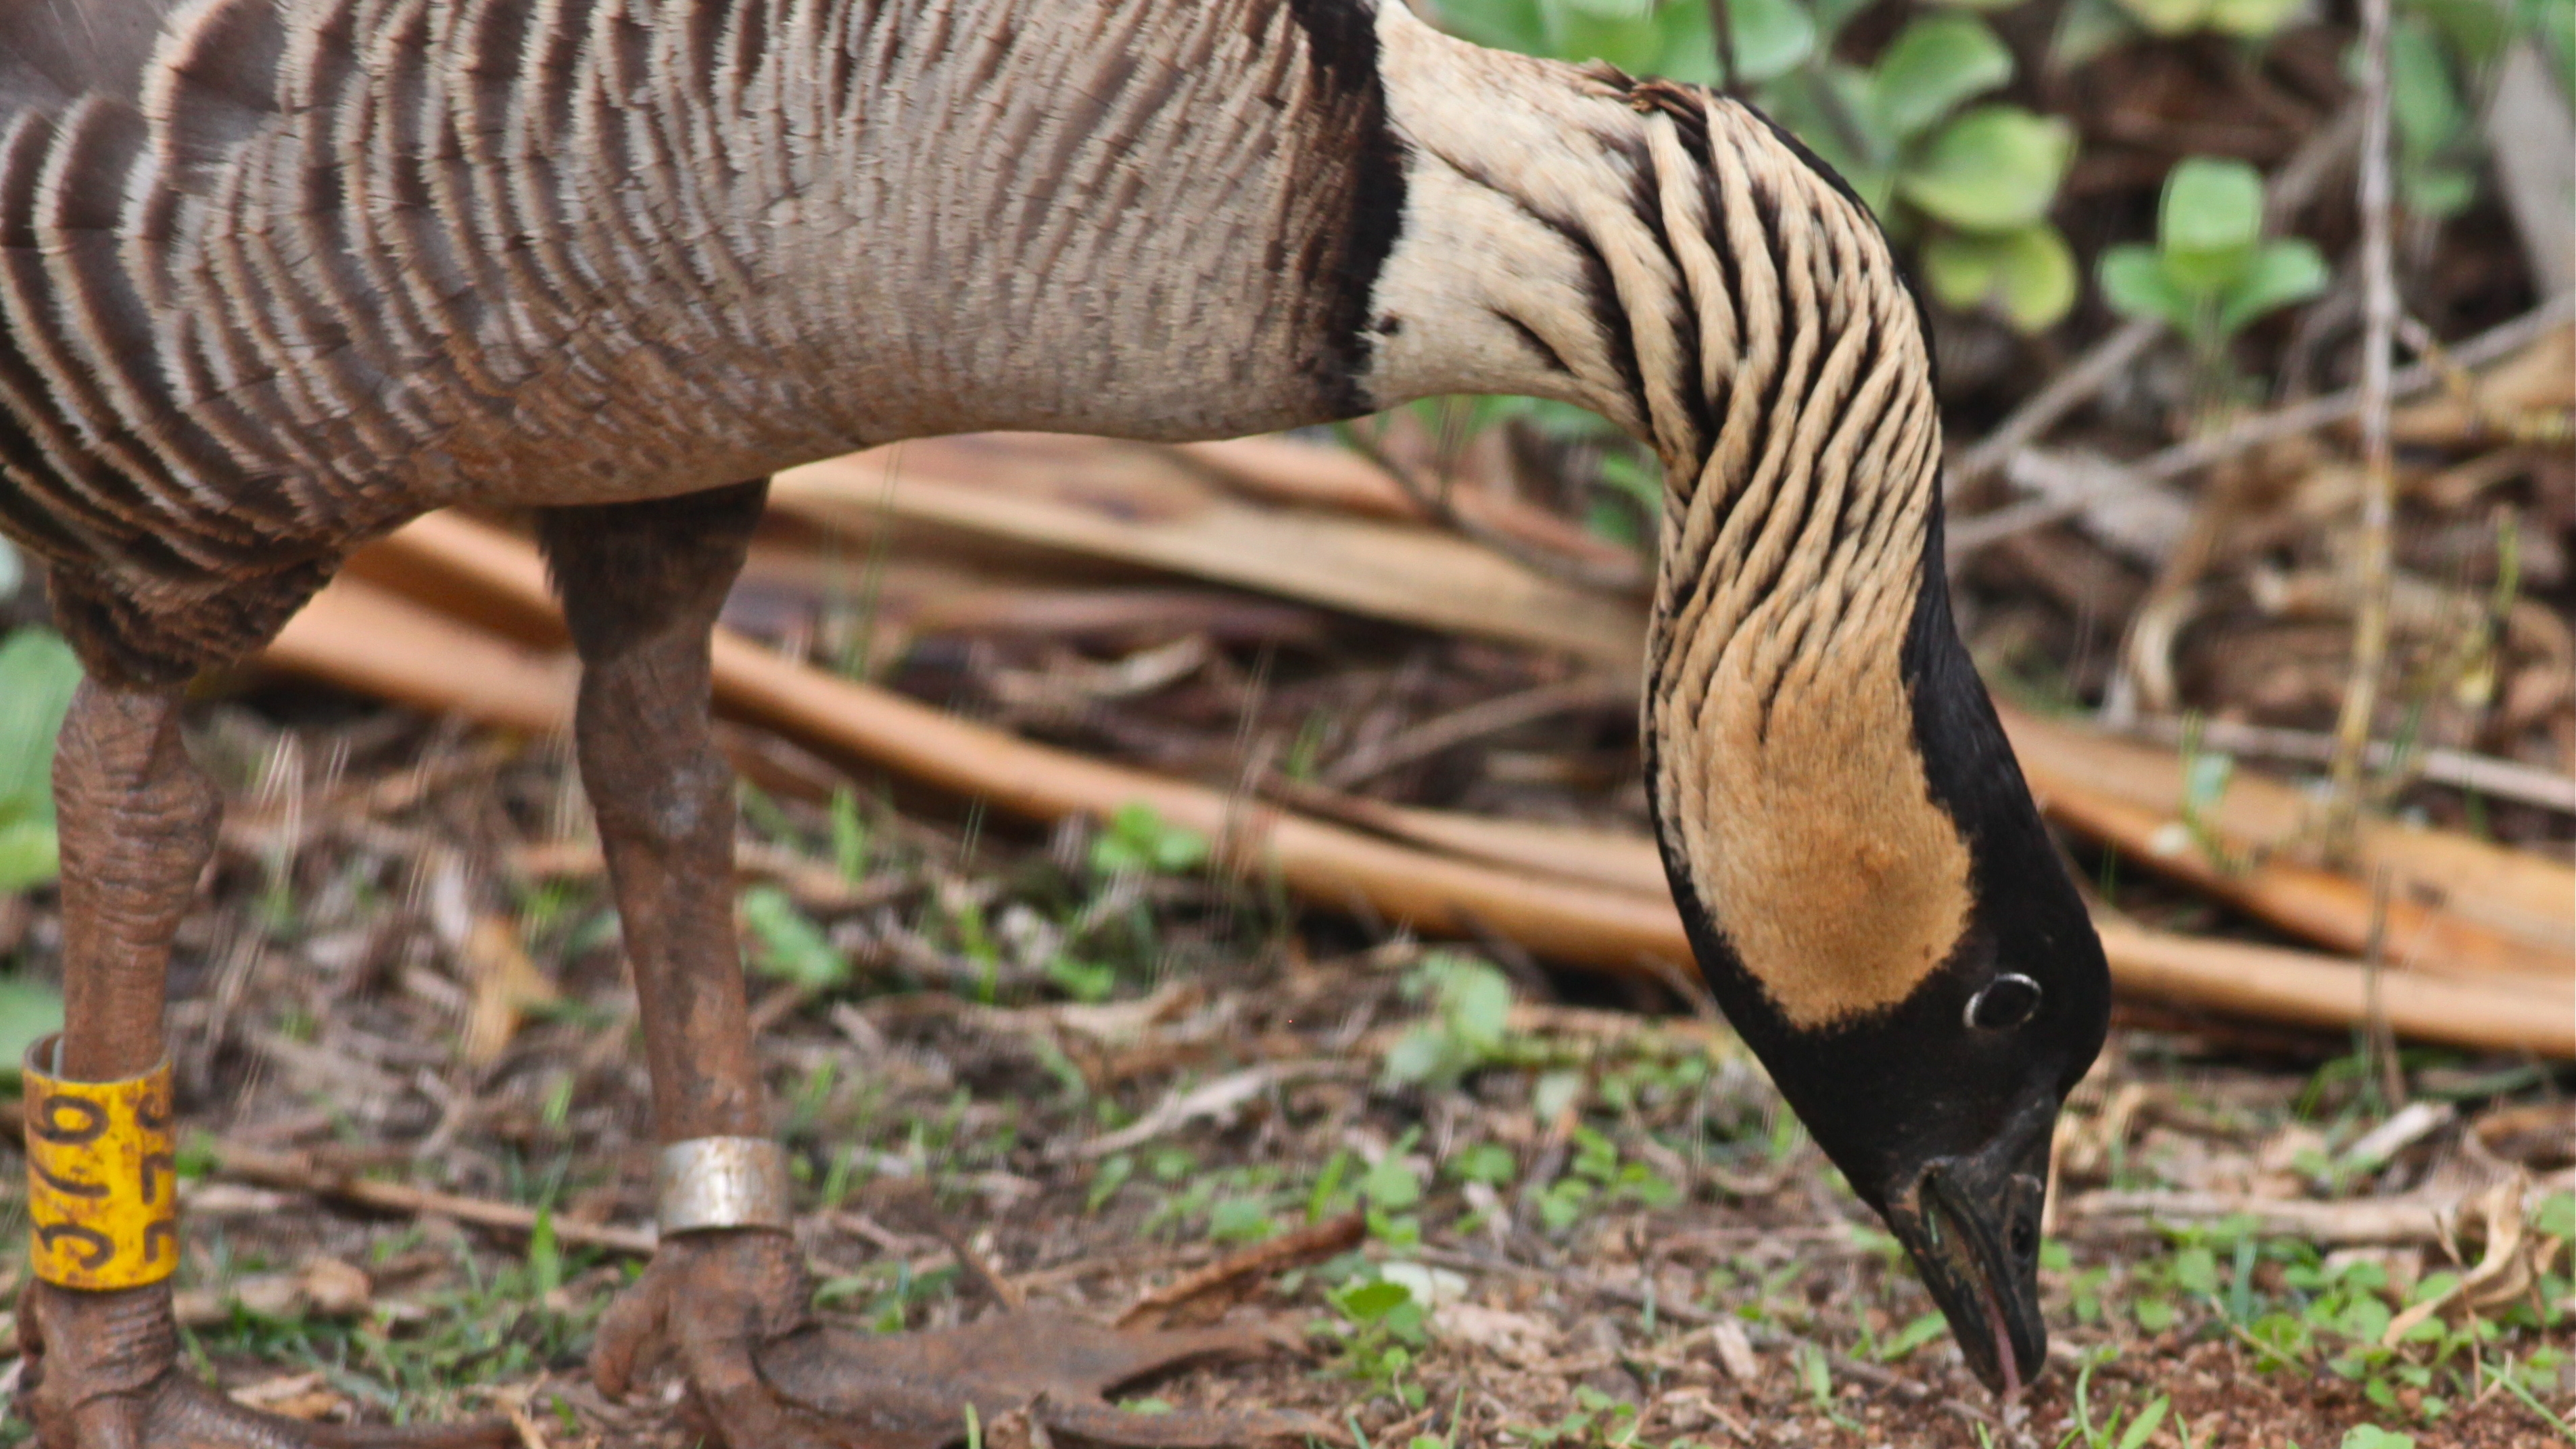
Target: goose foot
point(730, 1307)
point(102, 1372)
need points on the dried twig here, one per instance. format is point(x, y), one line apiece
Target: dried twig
point(1458, 727)
point(2374, 563)
point(1969, 534)
point(1595, 925)
point(1261, 1260)
point(2485, 774)
point(1437, 502)
point(296, 1172)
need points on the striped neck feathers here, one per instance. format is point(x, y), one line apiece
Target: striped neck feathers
point(1672, 261)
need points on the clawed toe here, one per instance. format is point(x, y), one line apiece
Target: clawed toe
point(729, 1306)
point(910, 1390)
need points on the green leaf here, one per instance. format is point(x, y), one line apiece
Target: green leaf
point(2144, 1427)
point(29, 854)
point(788, 945)
point(1772, 37)
point(1390, 1185)
point(2423, 99)
point(1833, 108)
point(2134, 283)
point(2166, 17)
point(2208, 223)
point(13, 571)
point(38, 673)
point(1504, 24)
point(28, 1011)
point(2279, 275)
point(1994, 169)
point(2251, 19)
point(1369, 1302)
point(2085, 29)
point(1138, 840)
point(2027, 275)
point(1933, 65)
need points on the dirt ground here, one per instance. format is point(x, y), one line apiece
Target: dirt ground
point(1619, 1235)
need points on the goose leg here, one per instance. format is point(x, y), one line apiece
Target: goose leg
point(137, 821)
point(642, 584)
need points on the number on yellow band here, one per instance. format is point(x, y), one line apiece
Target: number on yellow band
point(102, 1195)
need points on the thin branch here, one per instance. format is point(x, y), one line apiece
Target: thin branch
point(1473, 722)
point(2497, 779)
point(1435, 505)
point(1967, 535)
point(2374, 565)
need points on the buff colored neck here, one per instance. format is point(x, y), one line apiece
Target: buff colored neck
point(1668, 261)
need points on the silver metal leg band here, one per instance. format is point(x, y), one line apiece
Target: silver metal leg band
point(722, 1182)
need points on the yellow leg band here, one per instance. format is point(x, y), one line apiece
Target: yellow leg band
point(102, 1194)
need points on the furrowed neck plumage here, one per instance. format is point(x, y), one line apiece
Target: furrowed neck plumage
point(1675, 263)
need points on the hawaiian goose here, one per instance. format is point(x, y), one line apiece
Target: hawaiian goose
point(278, 275)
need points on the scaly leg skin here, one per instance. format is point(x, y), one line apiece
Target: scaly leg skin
point(137, 821)
point(642, 584)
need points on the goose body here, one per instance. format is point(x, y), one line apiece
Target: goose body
point(278, 275)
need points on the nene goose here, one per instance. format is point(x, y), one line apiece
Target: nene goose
point(277, 275)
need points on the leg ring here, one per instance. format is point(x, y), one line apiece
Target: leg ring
point(102, 1182)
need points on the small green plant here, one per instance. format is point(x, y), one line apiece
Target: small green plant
point(788, 945)
point(2087, 28)
point(1382, 1332)
point(1973, 187)
point(1471, 1005)
point(1140, 842)
point(37, 676)
point(2211, 274)
point(2371, 1436)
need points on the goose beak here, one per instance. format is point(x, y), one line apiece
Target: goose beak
point(1972, 1225)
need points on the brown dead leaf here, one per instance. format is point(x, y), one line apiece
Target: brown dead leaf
point(507, 984)
point(307, 1397)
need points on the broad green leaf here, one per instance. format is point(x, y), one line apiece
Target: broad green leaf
point(2134, 283)
point(2551, 25)
point(1833, 15)
point(28, 1010)
point(1504, 24)
point(1772, 37)
point(2027, 275)
point(1960, 270)
point(2437, 190)
point(1994, 169)
point(2475, 30)
point(2208, 223)
point(2144, 1427)
point(2252, 19)
point(1831, 108)
point(2167, 17)
point(29, 854)
point(787, 944)
point(2085, 29)
point(38, 673)
point(1933, 65)
point(2280, 274)
point(2423, 100)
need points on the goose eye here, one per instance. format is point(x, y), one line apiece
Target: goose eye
point(2006, 1001)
